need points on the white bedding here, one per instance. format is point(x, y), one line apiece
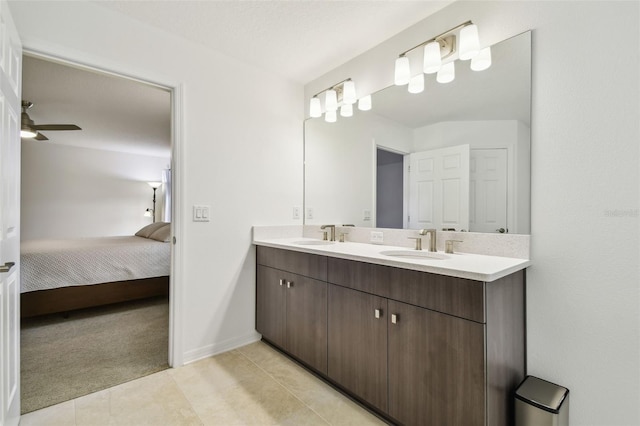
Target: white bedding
point(47, 264)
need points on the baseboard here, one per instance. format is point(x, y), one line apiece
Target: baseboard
point(217, 348)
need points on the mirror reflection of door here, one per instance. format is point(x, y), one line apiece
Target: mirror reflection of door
point(389, 189)
point(439, 189)
point(488, 190)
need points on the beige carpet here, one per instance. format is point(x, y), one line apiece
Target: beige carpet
point(91, 350)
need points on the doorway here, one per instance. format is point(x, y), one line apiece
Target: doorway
point(389, 189)
point(125, 189)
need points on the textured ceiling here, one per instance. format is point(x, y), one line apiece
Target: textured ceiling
point(300, 40)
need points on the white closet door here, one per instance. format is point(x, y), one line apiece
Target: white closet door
point(488, 208)
point(10, 89)
point(439, 188)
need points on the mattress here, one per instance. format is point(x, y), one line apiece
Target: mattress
point(48, 264)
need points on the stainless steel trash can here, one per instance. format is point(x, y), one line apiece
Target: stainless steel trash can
point(541, 403)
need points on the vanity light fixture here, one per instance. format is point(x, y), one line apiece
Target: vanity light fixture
point(416, 84)
point(364, 104)
point(339, 96)
point(315, 109)
point(346, 110)
point(482, 60)
point(437, 50)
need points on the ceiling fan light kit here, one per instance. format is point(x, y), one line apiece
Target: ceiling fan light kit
point(30, 130)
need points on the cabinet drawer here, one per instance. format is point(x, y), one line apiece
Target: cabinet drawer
point(455, 296)
point(308, 265)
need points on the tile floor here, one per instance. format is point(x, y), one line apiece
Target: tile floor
point(252, 385)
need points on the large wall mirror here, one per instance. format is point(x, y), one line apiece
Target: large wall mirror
point(454, 157)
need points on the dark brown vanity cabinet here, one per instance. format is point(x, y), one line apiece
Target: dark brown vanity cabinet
point(421, 348)
point(291, 308)
point(358, 344)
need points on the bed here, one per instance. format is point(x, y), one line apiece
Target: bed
point(63, 275)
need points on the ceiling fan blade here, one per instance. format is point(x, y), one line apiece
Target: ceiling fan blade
point(41, 137)
point(57, 127)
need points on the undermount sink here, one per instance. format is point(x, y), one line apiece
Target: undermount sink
point(313, 242)
point(415, 254)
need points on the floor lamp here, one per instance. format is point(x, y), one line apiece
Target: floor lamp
point(152, 212)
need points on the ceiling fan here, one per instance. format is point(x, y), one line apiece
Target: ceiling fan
point(29, 129)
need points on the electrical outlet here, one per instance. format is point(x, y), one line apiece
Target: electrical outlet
point(309, 212)
point(366, 215)
point(377, 237)
point(296, 212)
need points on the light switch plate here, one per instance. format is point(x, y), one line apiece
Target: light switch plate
point(309, 212)
point(377, 237)
point(201, 213)
point(296, 212)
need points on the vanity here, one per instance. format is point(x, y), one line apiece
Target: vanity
point(419, 341)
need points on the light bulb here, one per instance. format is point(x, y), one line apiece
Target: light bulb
point(331, 100)
point(469, 44)
point(432, 59)
point(482, 60)
point(346, 110)
point(403, 71)
point(330, 116)
point(447, 73)
point(315, 110)
point(28, 133)
point(364, 104)
point(416, 84)
point(349, 92)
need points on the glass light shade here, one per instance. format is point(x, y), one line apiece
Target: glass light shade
point(349, 92)
point(403, 71)
point(346, 110)
point(469, 43)
point(330, 116)
point(155, 184)
point(432, 59)
point(315, 110)
point(416, 84)
point(331, 100)
point(28, 133)
point(447, 73)
point(482, 60)
point(364, 104)
point(147, 213)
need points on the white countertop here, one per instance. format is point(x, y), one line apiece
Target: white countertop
point(462, 265)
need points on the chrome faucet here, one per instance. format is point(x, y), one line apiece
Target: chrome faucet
point(333, 231)
point(432, 238)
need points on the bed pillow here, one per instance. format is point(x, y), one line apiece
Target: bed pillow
point(163, 234)
point(149, 229)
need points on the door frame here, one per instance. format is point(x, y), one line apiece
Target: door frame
point(176, 89)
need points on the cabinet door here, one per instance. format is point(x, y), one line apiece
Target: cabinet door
point(307, 320)
point(270, 305)
point(358, 344)
point(436, 368)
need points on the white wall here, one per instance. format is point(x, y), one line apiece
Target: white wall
point(70, 192)
point(583, 297)
point(242, 153)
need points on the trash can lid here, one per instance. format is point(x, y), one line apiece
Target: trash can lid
point(543, 394)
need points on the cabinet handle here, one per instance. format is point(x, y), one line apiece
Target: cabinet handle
point(394, 318)
point(282, 281)
point(289, 284)
point(377, 313)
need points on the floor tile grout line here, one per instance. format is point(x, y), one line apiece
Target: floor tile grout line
point(285, 387)
point(193, 408)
